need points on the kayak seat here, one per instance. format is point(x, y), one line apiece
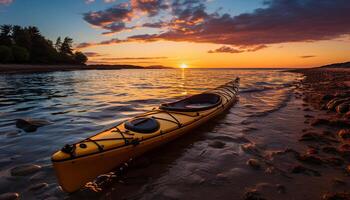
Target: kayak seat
point(142, 125)
point(194, 103)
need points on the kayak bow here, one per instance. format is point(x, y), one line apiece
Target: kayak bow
point(79, 163)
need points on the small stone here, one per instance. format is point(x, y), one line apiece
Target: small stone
point(217, 144)
point(339, 181)
point(281, 189)
point(25, 170)
point(330, 150)
point(311, 159)
point(343, 108)
point(317, 122)
point(39, 186)
point(312, 151)
point(9, 196)
point(308, 116)
point(253, 195)
point(344, 134)
point(254, 163)
point(344, 149)
point(336, 196)
point(299, 169)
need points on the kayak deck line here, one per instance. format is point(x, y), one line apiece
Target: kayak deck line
point(83, 161)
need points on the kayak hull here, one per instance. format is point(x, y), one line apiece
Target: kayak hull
point(74, 171)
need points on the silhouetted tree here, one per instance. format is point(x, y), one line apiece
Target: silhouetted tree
point(5, 54)
point(5, 35)
point(66, 47)
point(20, 54)
point(58, 44)
point(80, 58)
point(27, 45)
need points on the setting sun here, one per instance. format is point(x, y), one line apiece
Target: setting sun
point(183, 66)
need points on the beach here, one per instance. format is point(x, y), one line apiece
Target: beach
point(277, 139)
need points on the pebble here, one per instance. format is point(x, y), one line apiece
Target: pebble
point(344, 134)
point(299, 169)
point(253, 195)
point(254, 163)
point(9, 196)
point(39, 186)
point(311, 159)
point(25, 170)
point(217, 144)
point(336, 196)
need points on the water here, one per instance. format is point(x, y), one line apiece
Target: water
point(81, 103)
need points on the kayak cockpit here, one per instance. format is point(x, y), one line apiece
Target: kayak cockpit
point(194, 103)
point(142, 125)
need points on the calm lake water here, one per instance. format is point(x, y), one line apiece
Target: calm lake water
point(81, 103)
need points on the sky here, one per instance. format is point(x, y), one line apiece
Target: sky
point(197, 33)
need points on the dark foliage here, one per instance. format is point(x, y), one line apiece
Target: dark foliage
point(27, 45)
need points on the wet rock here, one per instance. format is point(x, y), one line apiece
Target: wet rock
point(38, 186)
point(311, 151)
point(344, 134)
point(344, 150)
point(335, 102)
point(251, 149)
point(217, 144)
point(317, 122)
point(336, 196)
point(315, 137)
point(308, 116)
point(299, 169)
point(30, 125)
point(330, 150)
point(254, 163)
point(347, 115)
point(343, 108)
point(327, 97)
point(9, 196)
point(334, 161)
point(310, 159)
point(338, 181)
point(281, 189)
point(25, 170)
point(253, 195)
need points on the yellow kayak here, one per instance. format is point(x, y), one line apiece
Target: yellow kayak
point(76, 164)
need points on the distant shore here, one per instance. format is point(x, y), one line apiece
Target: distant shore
point(32, 68)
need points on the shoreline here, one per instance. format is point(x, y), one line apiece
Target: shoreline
point(39, 68)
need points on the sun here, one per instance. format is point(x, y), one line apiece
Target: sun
point(183, 66)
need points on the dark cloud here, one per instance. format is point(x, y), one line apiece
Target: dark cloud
point(226, 49)
point(307, 56)
point(93, 54)
point(241, 49)
point(280, 21)
point(151, 7)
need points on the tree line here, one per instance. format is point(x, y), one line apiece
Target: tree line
point(26, 45)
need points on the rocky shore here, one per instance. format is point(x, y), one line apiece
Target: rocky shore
point(326, 89)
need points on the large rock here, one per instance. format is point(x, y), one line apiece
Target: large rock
point(25, 170)
point(30, 125)
point(343, 107)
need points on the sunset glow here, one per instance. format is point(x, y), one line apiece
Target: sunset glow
point(158, 32)
point(183, 66)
